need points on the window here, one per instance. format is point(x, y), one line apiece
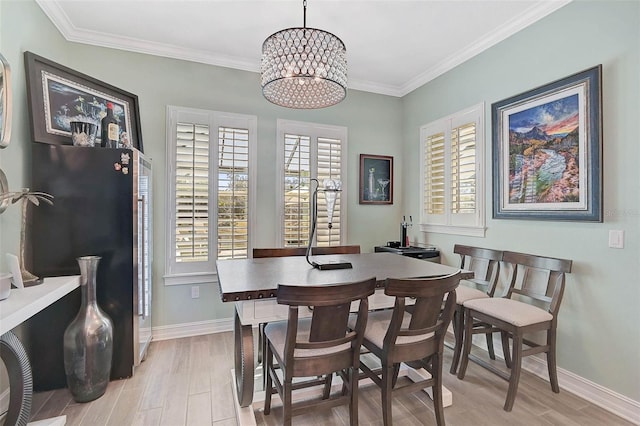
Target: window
point(452, 170)
point(306, 151)
point(210, 157)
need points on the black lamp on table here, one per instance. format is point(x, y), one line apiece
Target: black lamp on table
point(331, 188)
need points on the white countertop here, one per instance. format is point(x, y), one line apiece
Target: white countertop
point(23, 303)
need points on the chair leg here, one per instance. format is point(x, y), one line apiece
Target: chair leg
point(492, 353)
point(387, 378)
point(468, 337)
point(286, 402)
point(326, 392)
point(353, 387)
point(266, 370)
point(436, 371)
point(515, 372)
point(458, 330)
point(551, 360)
point(505, 348)
point(396, 372)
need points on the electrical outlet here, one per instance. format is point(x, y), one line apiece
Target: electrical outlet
point(616, 238)
point(195, 292)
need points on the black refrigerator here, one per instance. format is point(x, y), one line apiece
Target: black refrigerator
point(102, 206)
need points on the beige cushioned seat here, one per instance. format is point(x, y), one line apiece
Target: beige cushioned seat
point(378, 324)
point(464, 293)
point(276, 332)
point(511, 311)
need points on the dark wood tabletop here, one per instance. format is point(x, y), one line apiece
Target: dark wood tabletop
point(249, 279)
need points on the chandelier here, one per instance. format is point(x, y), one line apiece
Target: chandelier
point(304, 68)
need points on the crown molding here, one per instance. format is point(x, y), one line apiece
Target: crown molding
point(71, 33)
point(95, 38)
point(530, 16)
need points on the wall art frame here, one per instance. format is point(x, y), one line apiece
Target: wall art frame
point(58, 95)
point(376, 179)
point(547, 151)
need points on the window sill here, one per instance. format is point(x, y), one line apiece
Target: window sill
point(469, 231)
point(193, 278)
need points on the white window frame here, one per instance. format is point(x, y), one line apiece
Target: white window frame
point(204, 272)
point(314, 131)
point(448, 223)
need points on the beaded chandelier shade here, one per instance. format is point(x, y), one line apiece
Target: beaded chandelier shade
point(304, 68)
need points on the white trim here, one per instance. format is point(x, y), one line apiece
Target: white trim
point(189, 329)
point(59, 18)
point(469, 231)
point(528, 17)
point(196, 278)
point(314, 131)
point(448, 222)
point(608, 400)
point(202, 272)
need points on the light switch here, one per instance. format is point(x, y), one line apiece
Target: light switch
point(616, 238)
point(195, 292)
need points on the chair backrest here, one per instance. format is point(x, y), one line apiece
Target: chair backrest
point(429, 321)
point(485, 263)
point(537, 277)
point(302, 251)
point(331, 305)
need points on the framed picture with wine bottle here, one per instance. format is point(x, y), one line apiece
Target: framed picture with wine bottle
point(58, 96)
point(376, 179)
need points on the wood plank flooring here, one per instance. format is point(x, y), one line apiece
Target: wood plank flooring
point(188, 382)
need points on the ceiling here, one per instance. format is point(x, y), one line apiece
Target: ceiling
point(393, 46)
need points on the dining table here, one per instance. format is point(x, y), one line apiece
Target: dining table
point(252, 285)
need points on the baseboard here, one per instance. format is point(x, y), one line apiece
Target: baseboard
point(607, 399)
point(190, 329)
point(618, 404)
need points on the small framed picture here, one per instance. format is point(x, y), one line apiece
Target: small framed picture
point(376, 179)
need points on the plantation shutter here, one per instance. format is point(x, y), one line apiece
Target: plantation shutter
point(192, 193)
point(452, 151)
point(297, 174)
point(329, 167)
point(463, 169)
point(307, 157)
point(233, 194)
point(434, 176)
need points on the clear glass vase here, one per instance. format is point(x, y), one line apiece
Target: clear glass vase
point(88, 340)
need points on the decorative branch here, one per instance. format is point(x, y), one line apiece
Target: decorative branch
point(25, 194)
point(27, 197)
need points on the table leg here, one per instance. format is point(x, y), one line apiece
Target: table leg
point(244, 369)
point(20, 380)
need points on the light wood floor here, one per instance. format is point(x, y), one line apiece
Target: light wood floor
point(187, 382)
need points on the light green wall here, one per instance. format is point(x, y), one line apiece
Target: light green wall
point(374, 123)
point(598, 325)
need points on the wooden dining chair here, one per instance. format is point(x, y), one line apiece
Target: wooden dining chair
point(414, 337)
point(318, 346)
point(295, 251)
point(485, 264)
point(531, 304)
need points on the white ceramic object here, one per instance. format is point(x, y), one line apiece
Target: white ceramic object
point(5, 285)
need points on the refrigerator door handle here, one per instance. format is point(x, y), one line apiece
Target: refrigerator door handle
point(142, 297)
